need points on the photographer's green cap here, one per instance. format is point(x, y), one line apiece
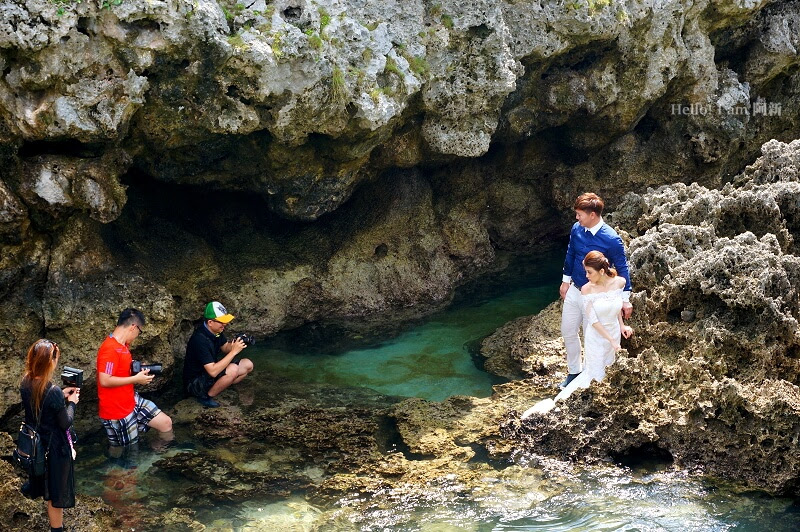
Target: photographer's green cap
point(215, 311)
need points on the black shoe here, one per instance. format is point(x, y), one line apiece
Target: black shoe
point(569, 379)
point(207, 402)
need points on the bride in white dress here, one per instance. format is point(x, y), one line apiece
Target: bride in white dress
point(602, 305)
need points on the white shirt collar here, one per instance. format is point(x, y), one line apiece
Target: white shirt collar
point(595, 228)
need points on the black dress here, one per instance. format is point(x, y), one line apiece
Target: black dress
point(58, 483)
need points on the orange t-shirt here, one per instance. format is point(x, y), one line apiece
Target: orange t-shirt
point(114, 359)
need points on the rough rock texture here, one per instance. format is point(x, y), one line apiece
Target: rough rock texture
point(351, 450)
point(527, 347)
point(315, 160)
point(305, 434)
point(711, 377)
point(90, 514)
point(709, 382)
point(147, 147)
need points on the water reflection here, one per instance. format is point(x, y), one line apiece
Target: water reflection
point(429, 360)
point(531, 494)
point(599, 498)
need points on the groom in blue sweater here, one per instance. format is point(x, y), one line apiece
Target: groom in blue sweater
point(589, 233)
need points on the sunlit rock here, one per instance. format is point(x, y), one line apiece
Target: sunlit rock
point(725, 379)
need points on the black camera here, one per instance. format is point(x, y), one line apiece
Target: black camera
point(136, 367)
point(72, 376)
point(246, 338)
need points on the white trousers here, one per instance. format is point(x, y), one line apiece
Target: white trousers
point(572, 319)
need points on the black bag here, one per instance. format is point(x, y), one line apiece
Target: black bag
point(30, 453)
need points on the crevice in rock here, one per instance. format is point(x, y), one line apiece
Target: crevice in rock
point(733, 58)
point(581, 58)
point(391, 441)
point(9, 418)
point(292, 13)
point(71, 148)
point(235, 93)
point(480, 32)
point(560, 138)
point(482, 456)
point(84, 25)
point(646, 127)
point(142, 25)
point(648, 456)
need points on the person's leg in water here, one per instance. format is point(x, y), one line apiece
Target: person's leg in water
point(163, 424)
point(148, 415)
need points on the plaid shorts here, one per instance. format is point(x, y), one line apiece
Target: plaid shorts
point(125, 431)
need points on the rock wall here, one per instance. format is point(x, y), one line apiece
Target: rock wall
point(710, 380)
point(304, 160)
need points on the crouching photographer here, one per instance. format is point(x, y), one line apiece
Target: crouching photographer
point(209, 367)
point(49, 412)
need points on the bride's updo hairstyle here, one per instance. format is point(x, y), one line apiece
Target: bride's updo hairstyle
point(598, 262)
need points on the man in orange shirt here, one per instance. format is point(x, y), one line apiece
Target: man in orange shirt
point(123, 413)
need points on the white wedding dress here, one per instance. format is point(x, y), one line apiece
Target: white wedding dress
point(603, 307)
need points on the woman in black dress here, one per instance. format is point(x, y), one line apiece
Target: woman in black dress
point(45, 406)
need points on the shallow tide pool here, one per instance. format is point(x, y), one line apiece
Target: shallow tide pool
point(434, 359)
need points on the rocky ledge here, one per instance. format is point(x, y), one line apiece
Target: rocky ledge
point(708, 383)
point(308, 160)
point(711, 378)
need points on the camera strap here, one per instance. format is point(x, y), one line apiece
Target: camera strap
point(41, 409)
point(35, 431)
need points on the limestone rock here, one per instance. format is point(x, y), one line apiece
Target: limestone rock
point(216, 116)
point(21, 513)
point(56, 186)
point(23, 269)
point(217, 93)
point(13, 216)
point(309, 433)
point(727, 379)
point(527, 347)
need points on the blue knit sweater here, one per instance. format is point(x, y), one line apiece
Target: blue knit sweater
point(606, 241)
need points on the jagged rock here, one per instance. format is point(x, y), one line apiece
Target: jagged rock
point(727, 379)
point(19, 513)
point(13, 217)
point(308, 433)
point(499, 114)
point(201, 89)
point(530, 346)
point(56, 186)
point(301, 105)
point(23, 268)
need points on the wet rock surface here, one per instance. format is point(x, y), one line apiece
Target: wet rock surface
point(305, 161)
point(90, 514)
point(527, 347)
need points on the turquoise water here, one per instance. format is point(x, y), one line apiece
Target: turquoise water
point(434, 358)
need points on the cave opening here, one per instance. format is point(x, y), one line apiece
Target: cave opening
point(649, 457)
point(166, 224)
